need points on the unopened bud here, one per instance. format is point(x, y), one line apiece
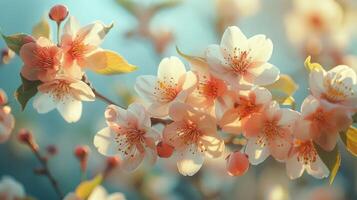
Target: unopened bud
point(58, 13)
point(25, 137)
point(164, 150)
point(52, 150)
point(81, 152)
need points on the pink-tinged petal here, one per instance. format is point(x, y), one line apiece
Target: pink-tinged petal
point(316, 82)
point(115, 115)
point(262, 95)
point(214, 56)
point(255, 152)
point(318, 169)
point(145, 87)
point(272, 111)
point(159, 110)
point(70, 109)
point(309, 105)
point(265, 74)
point(190, 81)
point(82, 92)
point(180, 111)
point(288, 117)
point(280, 145)
point(28, 53)
point(139, 112)
point(171, 134)
point(133, 160)
point(116, 196)
point(190, 161)
point(71, 27)
point(7, 123)
point(294, 168)
point(261, 48)
point(73, 70)
point(302, 130)
point(214, 146)
point(346, 73)
point(230, 122)
point(232, 38)
point(327, 140)
point(105, 143)
point(44, 103)
point(93, 34)
point(253, 126)
point(171, 69)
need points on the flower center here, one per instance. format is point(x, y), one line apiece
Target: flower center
point(239, 61)
point(316, 22)
point(132, 137)
point(61, 90)
point(189, 133)
point(270, 132)
point(166, 90)
point(209, 87)
point(44, 58)
point(78, 49)
point(306, 152)
point(336, 91)
point(246, 107)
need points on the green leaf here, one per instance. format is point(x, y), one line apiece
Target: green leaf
point(332, 160)
point(26, 91)
point(85, 188)
point(349, 138)
point(42, 29)
point(108, 63)
point(15, 42)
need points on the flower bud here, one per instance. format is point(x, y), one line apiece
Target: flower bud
point(81, 152)
point(52, 150)
point(237, 164)
point(112, 162)
point(164, 150)
point(58, 13)
point(24, 136)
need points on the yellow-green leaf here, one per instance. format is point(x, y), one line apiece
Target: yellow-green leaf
point(16, 41)
point(283, 90)
point(42, 29)
point(312, 66)
point(349, 138)
point(332, 160)
point(26, 91)
point(85, 188)
point(194, 60)
point(108, 63)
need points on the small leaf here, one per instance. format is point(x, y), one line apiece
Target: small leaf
point(283, 90)
point(42, 29)
point(332, 160)
point(108, 63)
point(312, 66)
point(15, 42)
point(85, 188)
point(349, 138)
point(194, 60)
point(26, 91)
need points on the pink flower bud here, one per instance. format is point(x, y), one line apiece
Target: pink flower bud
point(81, 152)
point(112, 162)
point(237, 164)
point(24, 136)
point(58, 13)
point(164, 150)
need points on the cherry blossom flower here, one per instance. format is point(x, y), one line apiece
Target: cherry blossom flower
point(240, 105)
point(99, 193)
point(322, 123)
point(337, 86)
point(42, 60)
point(193, 134)
point(7, 120)
point(10, 189)
point(129, 135)
point(303, 156)
point(172, 84)
point(65, 94)
point(209, 89)
point(270, 133)
point(79, 43)
point(239, 60)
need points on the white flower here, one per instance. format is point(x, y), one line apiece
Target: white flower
point(10, 189)
point(172, 84)
point(337, 86)
point(129, 134)
point(99, 193)
point(66, 95)
point(241, 60)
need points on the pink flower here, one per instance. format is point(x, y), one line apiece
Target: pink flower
point(7, 123)
point(42, 60)
point(172, 84)
point(193, 134)
point(322, 122)
point(209, 89)
point(337, 86)
point(129, 135)
point(66, 95)
point(240, 105)
point(239, 60)
point(303, 156)
point(79, 43)
point(270, 132)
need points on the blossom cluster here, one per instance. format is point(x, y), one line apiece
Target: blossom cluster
point(225, 92)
